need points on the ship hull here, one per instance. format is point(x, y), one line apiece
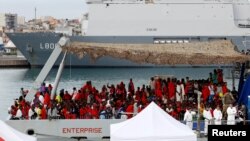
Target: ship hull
point(37, 47)
point(141, 22)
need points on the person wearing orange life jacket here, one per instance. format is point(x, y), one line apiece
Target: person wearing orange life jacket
point(82, 112)
point(144, 99)
point(46, 99)
point(205, 93)
point(138, 94)
point(220, 76)
point(158, 88)
point(94, 112)
point(130, 110)
point(43, 112)
point(131, 87)
point(67, 96)
point(224, 88)
point(50, 88)
point(171, 90)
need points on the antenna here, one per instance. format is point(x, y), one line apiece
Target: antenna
point(35, 14)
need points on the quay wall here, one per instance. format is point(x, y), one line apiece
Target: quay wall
point(6, 62)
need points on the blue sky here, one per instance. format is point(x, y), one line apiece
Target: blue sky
point(57, 8)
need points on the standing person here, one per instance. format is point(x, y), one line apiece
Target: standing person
point(102, 114)
point(19, 114)
point(43, 87)
point(227, 100)
point(130, 110)
point(178, 92)
point(31, 113)
point(208, 117)
point(189, 89)
point(205, 93)
point(217, 115)
point(135, 108)
point(50, 88)
point(74, 94)
point(152, 83)
point(220, 76)
point(188, 118)
point(211, 93)
point(171, 90)
point(183, 94)
point(131, 87)
point(231, 113)
point(215, 77)
point(242, 115)
point(196, 89)
point(23, 92)
point(158, 88)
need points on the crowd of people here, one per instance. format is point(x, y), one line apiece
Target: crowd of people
point(179, 98)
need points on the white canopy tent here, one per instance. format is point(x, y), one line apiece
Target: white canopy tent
point(152, 124)
point(8, 133)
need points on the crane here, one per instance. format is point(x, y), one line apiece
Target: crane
point(47, 68)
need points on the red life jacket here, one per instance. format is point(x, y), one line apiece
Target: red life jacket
point(46, 99)
point(43, 113)
point(130, 110)
point(171, 90)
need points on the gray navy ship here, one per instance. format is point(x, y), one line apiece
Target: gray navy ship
point(145, 22)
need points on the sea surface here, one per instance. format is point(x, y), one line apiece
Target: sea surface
point(11, 80)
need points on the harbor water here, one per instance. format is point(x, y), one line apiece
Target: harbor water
point(11, 80)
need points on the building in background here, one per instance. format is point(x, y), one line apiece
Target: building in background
point(8, 21)
point(84, 23)
point(20, 20)
point(67, 30)
point(47, 18)
point(10, 48)
point(1, 46)
point(68, 27)
point(1, 30)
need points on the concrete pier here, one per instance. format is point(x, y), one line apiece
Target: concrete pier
point(13, 62)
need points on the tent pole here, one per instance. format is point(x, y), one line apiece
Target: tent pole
point(233, 79)
point(198, 116)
